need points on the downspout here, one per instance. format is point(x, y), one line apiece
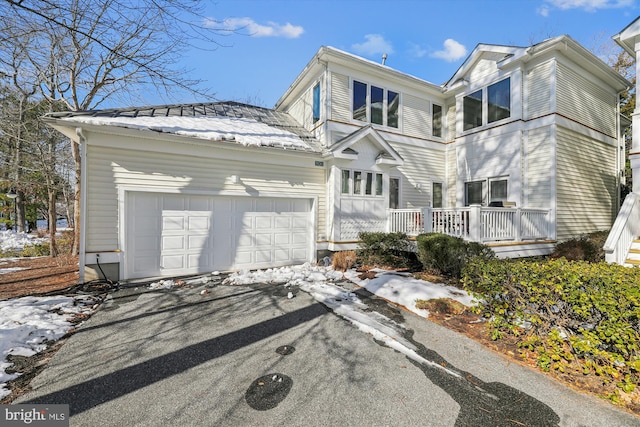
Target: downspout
point(83, 201)
point(620, 139)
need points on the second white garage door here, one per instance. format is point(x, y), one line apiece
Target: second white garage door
point(170, 234)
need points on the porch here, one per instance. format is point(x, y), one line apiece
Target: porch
point(511, 232)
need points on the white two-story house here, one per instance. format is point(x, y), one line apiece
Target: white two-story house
point(521, 148)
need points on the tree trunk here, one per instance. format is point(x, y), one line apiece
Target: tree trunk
point(20, 216)
point(75, 151)
point(52, 219)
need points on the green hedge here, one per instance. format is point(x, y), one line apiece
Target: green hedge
point(573, 314)
point(448, 254)
point(385, 249)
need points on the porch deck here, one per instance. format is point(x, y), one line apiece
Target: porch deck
point(511, 232)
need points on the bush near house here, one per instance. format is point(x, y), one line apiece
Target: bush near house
point(448, 254)
point(392, 250)
point(571, 315)
point(587, 247)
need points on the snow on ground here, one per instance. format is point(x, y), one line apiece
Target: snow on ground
point(10, 239)
point(27, 323)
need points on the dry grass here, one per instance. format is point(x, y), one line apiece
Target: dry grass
point(344, 260)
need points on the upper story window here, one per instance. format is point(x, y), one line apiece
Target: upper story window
point(375, 104)
point(472, 110)
point(436, 120)
point(316, 103)
point(496, 97)
point(499, 101)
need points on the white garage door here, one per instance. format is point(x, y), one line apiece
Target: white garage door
point(169, 234)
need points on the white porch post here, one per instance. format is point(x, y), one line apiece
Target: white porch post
point(427, 219)
point(634, 154)
point(388, 229)
point(475, 233)
point(517, 222)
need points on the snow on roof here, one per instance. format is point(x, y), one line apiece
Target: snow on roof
point(243, 131)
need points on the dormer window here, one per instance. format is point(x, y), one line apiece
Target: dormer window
point(375, 105)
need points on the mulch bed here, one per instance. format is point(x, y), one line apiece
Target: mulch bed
point(42, 275)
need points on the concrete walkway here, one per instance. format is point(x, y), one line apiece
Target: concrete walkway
point(244, 356)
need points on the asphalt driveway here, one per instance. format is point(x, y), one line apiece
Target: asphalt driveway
point(245, 356)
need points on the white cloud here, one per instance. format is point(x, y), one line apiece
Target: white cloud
point(452, 51)
point(417, 51)
point(375, 45)
point(249, 26)
point(543, 11)
point(589, 5)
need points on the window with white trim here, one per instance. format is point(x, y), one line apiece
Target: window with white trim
point(375, 105)
point(437, 195)
point(361, 183)
point(497, 99)
point(498, 190)
point(474, 193)
point(316, 103)
point(436, 120)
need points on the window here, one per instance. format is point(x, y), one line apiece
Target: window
point(473, 193)
point(346, 176)
point(436, 195)
point(499, 101)
point(436, 120)
point(497, 190)
point(378, 184)
point(393, 99)
point(357, 182)
point(359, 101)
point(472, 110)
point(375, 105)
point(394, 193)
point(316, 103)
point(377, 100)
point(368, 186)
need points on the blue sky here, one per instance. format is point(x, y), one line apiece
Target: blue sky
point(274, 40)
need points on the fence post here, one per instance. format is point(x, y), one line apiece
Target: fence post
point(475, 232)
point(427, 220)
point(518, 224)
point(388, 227)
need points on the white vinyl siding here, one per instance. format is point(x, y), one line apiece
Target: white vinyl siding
point(539, 90)
point(416, 117)
point(340, 100)
point(538, 173)
point(485, 66)
point(586, 184)
point(582, 100)
point(452, 173)
point(302, 109)
point(451, 123)
point(111, 168)
point(421, 167)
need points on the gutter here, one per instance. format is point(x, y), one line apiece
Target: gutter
point(83, 201)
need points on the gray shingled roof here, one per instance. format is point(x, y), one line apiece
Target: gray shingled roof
point(270, 117)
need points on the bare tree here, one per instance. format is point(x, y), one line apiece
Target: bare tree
point(85, 52)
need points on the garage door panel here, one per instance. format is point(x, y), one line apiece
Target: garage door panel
point(282, 221)
point(172, 243)
point(263, 256)
point(173, 223)
point(199, 223)
point(263, 239)
point(262, 222)
point(174, 234)
point(282, 238)
point(198, 242)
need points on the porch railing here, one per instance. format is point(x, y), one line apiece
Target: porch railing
point(476, 223)
point(625, 228)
